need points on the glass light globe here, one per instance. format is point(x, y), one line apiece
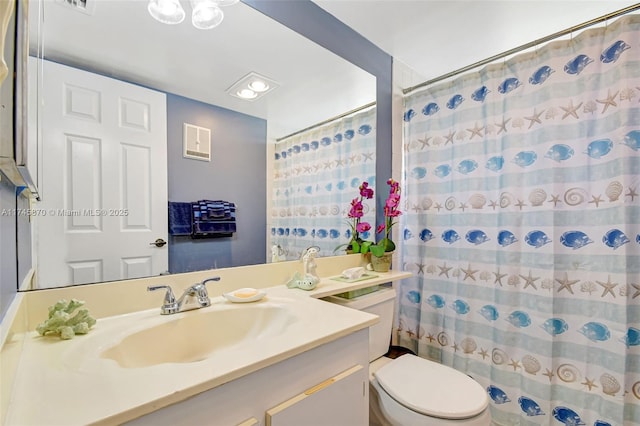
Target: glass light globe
point(166, 11)
point(206, 14)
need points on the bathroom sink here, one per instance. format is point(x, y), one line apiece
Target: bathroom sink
point(197, 335)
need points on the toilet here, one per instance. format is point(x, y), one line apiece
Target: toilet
point(410, 390)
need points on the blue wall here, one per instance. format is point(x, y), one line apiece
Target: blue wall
point(236, 173)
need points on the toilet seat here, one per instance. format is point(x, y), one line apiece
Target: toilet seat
point(432, 389)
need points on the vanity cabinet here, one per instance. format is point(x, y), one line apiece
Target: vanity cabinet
point(326, 385)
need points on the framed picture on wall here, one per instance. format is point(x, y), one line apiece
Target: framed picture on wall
point(197, 142)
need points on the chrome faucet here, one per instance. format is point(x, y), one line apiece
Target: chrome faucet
point(194, 297)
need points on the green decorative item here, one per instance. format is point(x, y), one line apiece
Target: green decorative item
point(357, 225)
point(63, 323)
point(391, 211)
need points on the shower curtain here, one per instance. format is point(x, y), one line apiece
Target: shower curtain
point(522, 229)
point(316, 175)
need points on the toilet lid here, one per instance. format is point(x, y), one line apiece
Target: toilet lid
point(432, 389)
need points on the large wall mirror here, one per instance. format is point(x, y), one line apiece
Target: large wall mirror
point(119, 40)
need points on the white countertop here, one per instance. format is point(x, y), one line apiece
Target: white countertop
point(56, 373)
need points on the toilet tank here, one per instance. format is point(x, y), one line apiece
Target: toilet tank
point(380, 302)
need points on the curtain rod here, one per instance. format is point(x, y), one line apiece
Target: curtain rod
point(337, 117)
point(524, 47)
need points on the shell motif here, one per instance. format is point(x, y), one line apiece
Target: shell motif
point(335, 210)
point(450, 203)
point(505, 200)
point(636, 389)
point(610, 385)
point(513, 280)
point(497, 395)
point(568, 373)
point(530, 407)
point(614, 190)
point(530, 364)
point(436, 301)
point(575, 196)
point(468, 345)
point(499, 357)
point(590, 106)
point(442, 338)
point(537, 197)
point(430, 109)
point(426, 203)
point(426, 235)
point(615, 238)
point(595, 331)
point(477, 201)
point(567, 416)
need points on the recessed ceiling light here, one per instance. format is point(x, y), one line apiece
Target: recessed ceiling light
point(252, 86)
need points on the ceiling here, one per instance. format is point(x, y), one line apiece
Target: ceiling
point(434, 37)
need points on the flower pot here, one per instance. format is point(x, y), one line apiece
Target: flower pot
point(382, 263)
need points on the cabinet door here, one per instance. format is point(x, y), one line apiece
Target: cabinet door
point(337, 401)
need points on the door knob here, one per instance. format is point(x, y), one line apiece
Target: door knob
point(158, 243)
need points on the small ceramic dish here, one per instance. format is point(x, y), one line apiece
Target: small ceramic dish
point(244, 295)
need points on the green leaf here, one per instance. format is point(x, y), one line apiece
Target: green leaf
point(366, 245)
point(355, 246)
point(377, 250)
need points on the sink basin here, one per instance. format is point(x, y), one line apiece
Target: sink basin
point(195, 335)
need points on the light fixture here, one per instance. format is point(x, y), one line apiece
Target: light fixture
point(166, 11)
point(205, 14)
point(252, 86)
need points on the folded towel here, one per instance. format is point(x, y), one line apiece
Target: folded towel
point(179, 218)
point(213, 218)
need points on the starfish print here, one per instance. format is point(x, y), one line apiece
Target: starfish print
point(468, 273)
point(596, 200)
point(493, 204)
point(608, 287)
point(449, 137)
point(368, 156)
point(420, 268)
point(566, 283)
point(499, 277)
point(339, 162)
point(438, 206)
point(416, 208)
point(609, 100)
point(515, 364)
point(555, 199)
point(463, 206)
point(483, 353)
point(632, 193)
point(529, 281)
point(424, 142)
point(475, 131)
point(548, 373)
point(535, 118)
point(327, 165)
point(352, 159)
point(430, 338)
point(520, 204)
point(455, 347)
point(444, 270)
point(637, 293)
point(570, 110)
point(502, 127)
point(589, 383)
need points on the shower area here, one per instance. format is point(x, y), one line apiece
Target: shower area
point(522, 227)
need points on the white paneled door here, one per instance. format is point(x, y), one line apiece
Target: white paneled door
point(104, 190)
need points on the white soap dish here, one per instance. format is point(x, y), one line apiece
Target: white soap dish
point(244, 295)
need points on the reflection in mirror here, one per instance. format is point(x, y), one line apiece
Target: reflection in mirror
point(105, 192)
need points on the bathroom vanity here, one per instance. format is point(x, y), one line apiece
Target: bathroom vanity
point(287, 359)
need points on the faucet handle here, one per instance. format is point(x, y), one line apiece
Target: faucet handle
point(170, 305)
point(201, 291)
